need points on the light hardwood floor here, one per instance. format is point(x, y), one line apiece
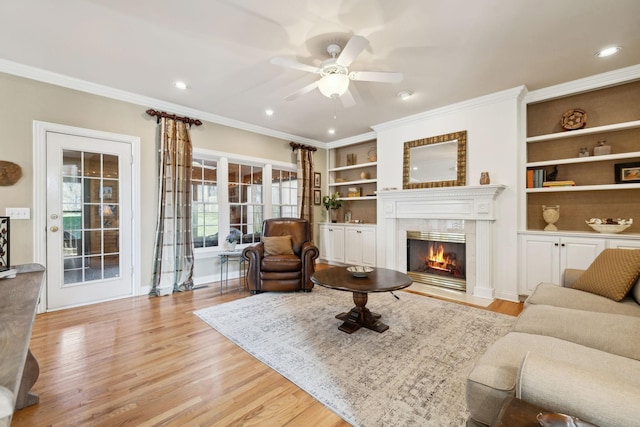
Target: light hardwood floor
point(150, 362)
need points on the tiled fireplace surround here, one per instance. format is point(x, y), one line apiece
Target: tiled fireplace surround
point(468, 210)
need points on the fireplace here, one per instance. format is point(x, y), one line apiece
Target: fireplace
point(437, 259)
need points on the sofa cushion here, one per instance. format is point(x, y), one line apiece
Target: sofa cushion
point(613, 333)
point(611, 274)
point(594, 393)
point(548, 294)
point(495, 373)
point(285, 263)
point(277, 245)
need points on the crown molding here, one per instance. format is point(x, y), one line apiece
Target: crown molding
point(33, 73)
point(509, 94)
point(610, 78)
point(352, 140)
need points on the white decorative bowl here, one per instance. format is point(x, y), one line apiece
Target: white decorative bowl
point(609, 228)
point(359, 270)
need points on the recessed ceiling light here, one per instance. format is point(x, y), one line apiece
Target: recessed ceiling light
point(405, 94)
point(331, 131)
point(180, 85)
point(268, 112)
point(608, 51)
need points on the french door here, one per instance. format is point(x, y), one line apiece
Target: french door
point(89, 220)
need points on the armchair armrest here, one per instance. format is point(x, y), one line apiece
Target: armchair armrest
point(578, 391)
point(308, 255)
point(253, 255)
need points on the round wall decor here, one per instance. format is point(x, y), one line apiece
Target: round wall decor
point(10, 173)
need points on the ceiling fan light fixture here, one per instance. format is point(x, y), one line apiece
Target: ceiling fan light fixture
point(333, 85)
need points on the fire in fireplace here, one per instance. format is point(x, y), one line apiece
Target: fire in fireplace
point(437, 258)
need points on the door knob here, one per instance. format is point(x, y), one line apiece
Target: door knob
point(54, 229)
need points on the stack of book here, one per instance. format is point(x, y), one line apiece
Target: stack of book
point(558, 184)
point(535, 178)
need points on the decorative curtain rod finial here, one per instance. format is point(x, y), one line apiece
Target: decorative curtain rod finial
point(187, 120)
point(295, 146)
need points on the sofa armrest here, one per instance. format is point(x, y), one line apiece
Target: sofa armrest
point(570, 276)
point(589, 395)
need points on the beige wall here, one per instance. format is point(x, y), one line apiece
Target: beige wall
point(22, 101)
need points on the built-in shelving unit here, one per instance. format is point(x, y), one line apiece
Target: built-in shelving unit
point(613, 116)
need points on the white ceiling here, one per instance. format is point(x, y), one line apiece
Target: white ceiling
point(448, 51)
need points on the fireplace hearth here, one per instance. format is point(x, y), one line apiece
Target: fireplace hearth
point(437, 258)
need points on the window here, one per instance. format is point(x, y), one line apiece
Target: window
point(233, 195)
point(245, 202)
point(284, 194)
point(205, 206)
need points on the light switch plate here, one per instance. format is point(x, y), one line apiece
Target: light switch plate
point(18, 213)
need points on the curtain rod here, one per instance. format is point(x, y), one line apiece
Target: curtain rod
point(295, 146)
point(187, 120)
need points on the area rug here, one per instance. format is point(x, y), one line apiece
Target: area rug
point(411, 375)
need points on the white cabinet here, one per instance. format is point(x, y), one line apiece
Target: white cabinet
point(544, 257)
point(348, 243)
point(332, 242)
point(360, 245)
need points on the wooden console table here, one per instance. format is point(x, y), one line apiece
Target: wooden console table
point(19, 370)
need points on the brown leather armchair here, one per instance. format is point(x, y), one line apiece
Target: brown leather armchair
point(282, 272)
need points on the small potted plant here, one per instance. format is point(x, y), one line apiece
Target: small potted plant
point(230, 242)
point(333, 203)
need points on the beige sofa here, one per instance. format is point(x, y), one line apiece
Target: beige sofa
point(570, 351)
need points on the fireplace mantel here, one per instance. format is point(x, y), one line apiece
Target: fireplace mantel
point(471, 203)
point(470, 207)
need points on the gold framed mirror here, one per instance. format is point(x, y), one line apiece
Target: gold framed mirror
point(437, 161)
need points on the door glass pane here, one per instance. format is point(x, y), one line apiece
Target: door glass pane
point(91, 216)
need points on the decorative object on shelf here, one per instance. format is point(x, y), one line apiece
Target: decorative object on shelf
point(230, 243)
point(354, 192)
point(609, 225)
point(551, 176)
point(341, 180)
point(317, 197)
point(551, 214)
point(5, 261)
point(484, 178)
point(317, 179)
point(627, 173)
point(351, 159)
point(347, 216)
point(365, 175)
point(601, 148)
point(372, 154)
point(359, 270)
point(332, 203)
point(584, 152)
point(573, 119)
point(10, 173)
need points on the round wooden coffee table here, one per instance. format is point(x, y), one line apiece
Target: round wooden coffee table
point(379, 280)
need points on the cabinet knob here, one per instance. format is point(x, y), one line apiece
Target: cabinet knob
point(555, 244)
point(562, 245)
point(359, 231)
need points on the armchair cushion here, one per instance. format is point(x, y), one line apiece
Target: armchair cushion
point(612, 273)
point(277, 245)
point(281, 263)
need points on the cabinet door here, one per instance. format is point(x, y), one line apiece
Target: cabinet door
point(579, 252)
point(623, 244)
point(332, 243)
point(369, 246)
point(540, 261)
point(353, 245)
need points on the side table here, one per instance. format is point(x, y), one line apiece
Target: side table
point(225, 259)
point(518, 413)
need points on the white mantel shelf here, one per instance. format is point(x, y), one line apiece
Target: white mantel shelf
point(400, 209)
point(469, 202)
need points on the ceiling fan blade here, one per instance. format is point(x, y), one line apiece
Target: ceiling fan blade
point(352, 49)
point(347, 99)
point(290, 63)
point(308, 88)
point(375, 76)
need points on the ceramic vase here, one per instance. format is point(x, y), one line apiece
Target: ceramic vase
point(551, 215)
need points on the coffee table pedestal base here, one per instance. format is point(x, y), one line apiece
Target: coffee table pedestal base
point(361, 317)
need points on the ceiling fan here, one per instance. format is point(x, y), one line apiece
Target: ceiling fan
point(334, 72)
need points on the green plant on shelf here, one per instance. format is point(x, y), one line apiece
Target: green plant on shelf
point(332, 201)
